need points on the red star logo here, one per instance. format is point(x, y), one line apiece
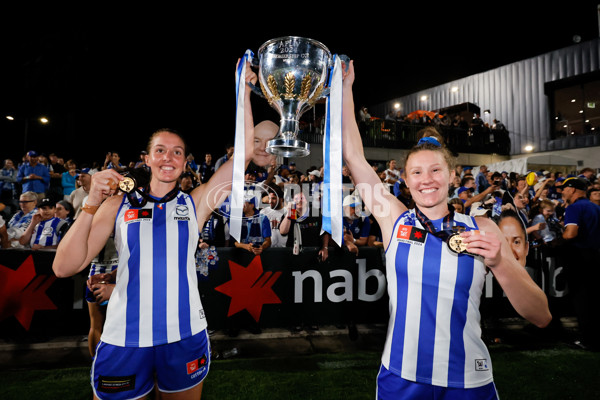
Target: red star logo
point(250, 288)
point(22, 292)
point(418, 235)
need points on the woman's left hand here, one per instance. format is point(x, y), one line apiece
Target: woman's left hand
point(486, 245)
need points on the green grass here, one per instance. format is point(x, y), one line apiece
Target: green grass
point(547, 373)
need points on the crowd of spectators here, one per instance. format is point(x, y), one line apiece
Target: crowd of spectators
point(278, 192)
point(42, 196)
point(462, 130)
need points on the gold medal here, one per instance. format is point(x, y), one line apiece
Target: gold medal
point(127, 185)
point(456, 244)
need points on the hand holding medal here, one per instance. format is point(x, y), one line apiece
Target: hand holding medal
point(481, 244)
point(104, 184)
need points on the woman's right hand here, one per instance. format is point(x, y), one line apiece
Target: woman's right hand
point(104, 184)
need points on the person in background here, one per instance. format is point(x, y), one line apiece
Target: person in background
point(33, 176)
point(356, 227)
point(392, 173)
point(22, 219)
point(582, 254)
point(207, 168)
point(77, 197)
point(481, 179)
point(65, 211)
point(302, 226)
point(8, 188)
point(275, 212)
point(229, 148)
point(141, 163)
point(45, 230)
point(543, 219)
point(55, 191)
point(187, 182)
point(594, 195)
point(256, 229)
point(69, 178)
point(458, 205)
point(113, 161)
point(4, 242)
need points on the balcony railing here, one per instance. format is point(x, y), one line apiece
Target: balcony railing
point(400, 135)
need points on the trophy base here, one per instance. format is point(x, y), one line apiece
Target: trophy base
point(288, 148)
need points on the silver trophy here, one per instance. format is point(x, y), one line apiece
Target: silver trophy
point(292, 72)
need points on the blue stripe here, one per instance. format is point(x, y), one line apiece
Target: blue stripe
point(429, 299)
point(185, 324)
point(132, 327)
point(464, 279)
point(53, 239)
point(401, 304)
point(159, 273)
point(38, 233)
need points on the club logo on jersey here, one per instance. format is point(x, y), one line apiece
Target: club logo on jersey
point(411, 234)
point(135, 214)
point(182, 213)
point(481, 365)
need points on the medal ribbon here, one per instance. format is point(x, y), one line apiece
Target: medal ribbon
point(447, 225)
point(331, 200)
point(145, 194)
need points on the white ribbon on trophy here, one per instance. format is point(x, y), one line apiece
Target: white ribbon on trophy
point(332, 158)
point(239, 165)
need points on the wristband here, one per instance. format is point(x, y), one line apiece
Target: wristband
point(90, 209)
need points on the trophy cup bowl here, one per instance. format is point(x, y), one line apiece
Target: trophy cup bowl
point(292, 72)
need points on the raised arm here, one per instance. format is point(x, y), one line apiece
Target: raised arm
point(90, 231)
point(377, 197)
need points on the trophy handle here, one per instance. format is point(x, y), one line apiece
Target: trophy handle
point(345, 60)
point(346, 64)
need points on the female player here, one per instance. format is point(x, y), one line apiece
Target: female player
point(436, 263)
point(155, 328)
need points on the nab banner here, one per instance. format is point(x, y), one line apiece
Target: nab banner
point(280, 289)
point(274, 290)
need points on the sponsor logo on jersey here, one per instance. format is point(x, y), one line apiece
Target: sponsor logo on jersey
point(411, 234)
point(137, 214)
point(182, 213)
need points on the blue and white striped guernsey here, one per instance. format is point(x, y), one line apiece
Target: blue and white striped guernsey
point(434, 333)
point(48, 232)
point(156, 299)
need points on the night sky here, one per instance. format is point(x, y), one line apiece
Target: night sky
point(107, 79)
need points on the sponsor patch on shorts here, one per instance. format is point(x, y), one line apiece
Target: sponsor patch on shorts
point(114, 384)
point(195, 365)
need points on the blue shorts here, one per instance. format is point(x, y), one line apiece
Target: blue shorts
point(392, 386)
point(131, 372)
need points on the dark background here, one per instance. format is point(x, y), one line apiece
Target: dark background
point(108, 77)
